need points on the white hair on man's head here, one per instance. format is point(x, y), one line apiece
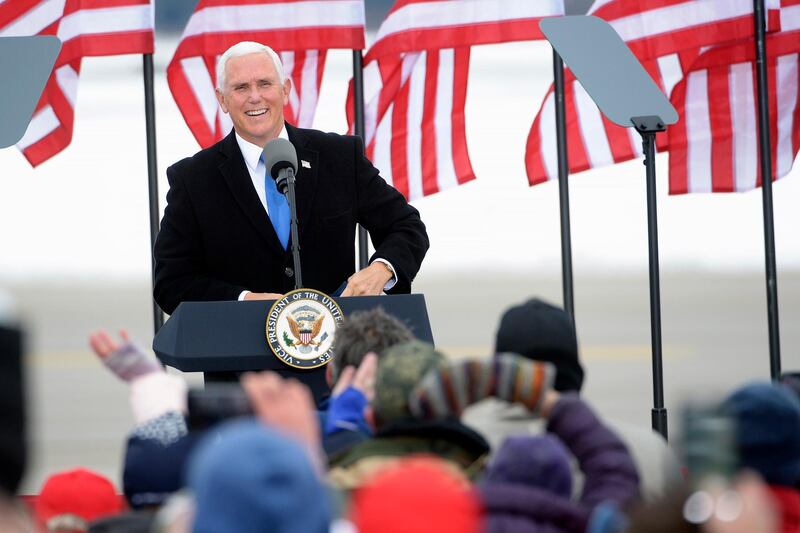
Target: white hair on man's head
point(242, 49)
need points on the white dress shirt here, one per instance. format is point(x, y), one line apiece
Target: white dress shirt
point(258, 171)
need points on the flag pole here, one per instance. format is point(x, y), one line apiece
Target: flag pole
point(563, 185)
point(358, 115)
point(765, 149)
point(152, 175)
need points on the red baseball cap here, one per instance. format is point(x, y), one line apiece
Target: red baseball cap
point(419, 494)
point(70, 497)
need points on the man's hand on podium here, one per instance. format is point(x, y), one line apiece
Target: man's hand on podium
point(263, 296)
point(369, 281)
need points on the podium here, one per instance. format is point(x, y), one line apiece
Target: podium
point(230, 336)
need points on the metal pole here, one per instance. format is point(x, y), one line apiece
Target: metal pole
point(765, 149)
point(292, 201)
point(358, 115)
point(152, 175)
point(563, 185)
point(659, 412)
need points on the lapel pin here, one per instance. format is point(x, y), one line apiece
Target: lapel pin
point(305, 164)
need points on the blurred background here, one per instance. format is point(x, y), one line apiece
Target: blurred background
point(75, 251)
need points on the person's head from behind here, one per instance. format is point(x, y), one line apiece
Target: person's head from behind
point(154, 462)
point(767, 420)
point(400, 370)
point(543, 332)
point(253, 89)
point(539, 461)
point(419, 494)
point(246, 477)
point(363, 332)
point(70, 500)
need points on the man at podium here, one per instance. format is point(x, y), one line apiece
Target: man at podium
point(225, 231)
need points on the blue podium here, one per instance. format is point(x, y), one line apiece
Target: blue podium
point(231, 336)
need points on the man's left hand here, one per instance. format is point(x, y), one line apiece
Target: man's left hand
point(369, 281)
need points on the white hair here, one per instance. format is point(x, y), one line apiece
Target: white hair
point(242, 49)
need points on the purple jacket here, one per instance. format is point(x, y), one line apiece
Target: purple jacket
point(610, 476)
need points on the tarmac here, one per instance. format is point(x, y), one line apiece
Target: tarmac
point(714, 330)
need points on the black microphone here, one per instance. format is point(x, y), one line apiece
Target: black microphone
point(279, 156)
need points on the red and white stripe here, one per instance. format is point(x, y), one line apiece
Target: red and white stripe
point(300, 30)
point(666, 36)
point(86, 28)
point(415, 84)
point(715, 147)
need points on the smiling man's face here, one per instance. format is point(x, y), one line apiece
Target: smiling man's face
point(254, 97)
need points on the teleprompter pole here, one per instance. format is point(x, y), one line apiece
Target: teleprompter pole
point(647, 128)
point(563, 185)
point(358, 115)
point(764, 150)
point(152, 175)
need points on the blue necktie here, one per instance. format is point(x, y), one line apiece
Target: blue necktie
point(278, 210)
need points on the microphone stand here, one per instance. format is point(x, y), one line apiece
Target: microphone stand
point(290, 198)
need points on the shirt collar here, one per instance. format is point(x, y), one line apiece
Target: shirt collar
point(252, 152)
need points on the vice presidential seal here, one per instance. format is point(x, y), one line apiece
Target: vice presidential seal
point(301, 326)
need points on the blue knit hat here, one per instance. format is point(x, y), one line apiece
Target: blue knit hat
point(768, 431)
point(248, 478)
point(155, 458)
point(539, 461)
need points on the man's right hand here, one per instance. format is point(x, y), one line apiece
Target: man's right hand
point(263, 296)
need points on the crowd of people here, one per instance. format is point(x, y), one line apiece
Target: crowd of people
point(413, 441)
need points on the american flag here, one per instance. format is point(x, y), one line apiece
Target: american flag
point(415, 85)
point(300, 30)
point(715, 147)
point(666, 36)
point(86, 28)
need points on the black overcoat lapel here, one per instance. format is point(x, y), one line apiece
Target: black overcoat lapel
point(234, 171)
point(306, 182)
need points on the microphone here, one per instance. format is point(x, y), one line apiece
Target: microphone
point(279, 155)
point(280, 158)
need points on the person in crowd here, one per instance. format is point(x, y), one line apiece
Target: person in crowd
point(14, 516)
point(767, 421)
point(527, 486)
point(397, 432)
point(363, 332)
point(155, 456)
point(262, 474)
point(225, 234)
point(13, 419)
point(247, 477)
point(71, 499)
point(543, 332)
point(153, 392)
point(419, 494)
point(431, 403)
point(745, 506)
point(792, 381)
point(158, 447)
point(349, 418)
point(360, 339)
